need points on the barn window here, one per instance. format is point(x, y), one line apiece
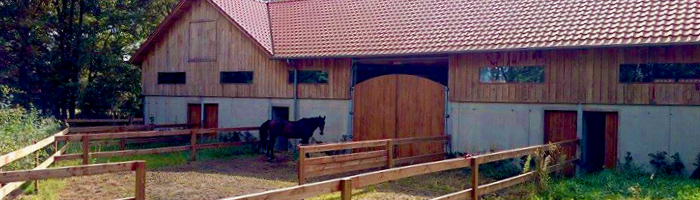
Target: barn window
point(660, 73)
point(243, 77)
point(309, 76)
point(510, 74)
point(202, 41)
point(171, 78)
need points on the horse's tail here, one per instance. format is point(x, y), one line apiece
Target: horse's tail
point(264, 131)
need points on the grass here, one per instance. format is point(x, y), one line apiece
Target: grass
point(20, 128)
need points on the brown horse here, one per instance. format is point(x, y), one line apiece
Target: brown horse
point(303, 128)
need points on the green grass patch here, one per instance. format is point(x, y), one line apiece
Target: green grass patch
point(618, 184)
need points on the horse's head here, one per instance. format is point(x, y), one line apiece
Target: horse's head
point(321, 123)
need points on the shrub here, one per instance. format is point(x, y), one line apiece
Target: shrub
point(662, 166)
point(19, 128)
point(696, 173)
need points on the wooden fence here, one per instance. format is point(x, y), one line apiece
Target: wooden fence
point(111, 129)
point(86, 139)
point(94, 122)
point(347, 184)
point(84, 170)
point(9, 186)
point(381, 154)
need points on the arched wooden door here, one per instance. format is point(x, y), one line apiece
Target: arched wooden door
point(400, 106)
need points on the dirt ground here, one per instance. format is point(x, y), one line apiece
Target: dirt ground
point(215, 179)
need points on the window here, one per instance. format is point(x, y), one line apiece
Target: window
point(660, 73)
point(306, 76)
point(171, 77)
point(237, 77)
point(509, 74)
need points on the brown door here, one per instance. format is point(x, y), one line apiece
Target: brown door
point(400, 106)
point(561, 126)
point(211, 116)
point(194, 115)
point(611, 125)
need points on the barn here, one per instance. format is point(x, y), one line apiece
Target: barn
point(622, 76)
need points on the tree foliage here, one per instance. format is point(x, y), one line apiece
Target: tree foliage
point(69, 57)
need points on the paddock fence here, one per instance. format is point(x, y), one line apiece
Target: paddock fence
point(113, 129)
point(7, 187)
point(347, 184)
point(84, 122)
point(112, 138)
point(376, 154)
point(84, 170)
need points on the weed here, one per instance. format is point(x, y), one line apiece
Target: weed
point(696, 173)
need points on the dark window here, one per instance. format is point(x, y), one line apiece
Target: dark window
point(306, 76)
point(171, 77)
point(237, 77)
point(509, 74)
point(660, 73)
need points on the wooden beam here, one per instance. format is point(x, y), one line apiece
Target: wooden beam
point(475, 179)
point(296, 192)
point(193, 144)
point(15, 155)
point(390, 154)
point(461, 195)
point(301, 168)
point(419, 159)
point(345, 157)
point(140, 168)
point(372, 178)
point(104, 120)
point(401, 141)
point(514, 153)
point(86, 149)
point(346, 189)
point(344, 145)
point(346, 164)
point(64, 172)
point(346, 167)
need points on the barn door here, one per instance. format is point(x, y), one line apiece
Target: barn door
point(611, 125)
point(211, 116)
point(561, 126)
point(400, 106)
point(194, 115)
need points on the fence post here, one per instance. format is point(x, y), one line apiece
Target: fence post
point(390, 153)
point(86, 149)
point(193, 142)
point(140, 180)
point(36, 164)
point(300, 167)
point(346, 189)
point(122, 144)
point(475, 179)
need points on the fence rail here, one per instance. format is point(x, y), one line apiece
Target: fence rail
point(85, 170)
point(86, 139)
point(130, 120)
point(347, 184)
point(335, 164)
point(111, 129)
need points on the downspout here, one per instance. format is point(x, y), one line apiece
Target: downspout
point(295, 115)
point(201, 112)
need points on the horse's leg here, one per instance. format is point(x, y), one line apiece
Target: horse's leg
point(271, 146)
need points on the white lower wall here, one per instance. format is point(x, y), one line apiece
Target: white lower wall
point(242, 112)
point(642, 129)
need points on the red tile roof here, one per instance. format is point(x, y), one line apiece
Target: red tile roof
point(252, 16)
point(319, 28)
point(340, 28)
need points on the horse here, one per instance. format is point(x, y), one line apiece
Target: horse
point(303, 128)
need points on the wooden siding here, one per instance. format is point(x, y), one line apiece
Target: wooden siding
point(574, 76)
point(235, 52)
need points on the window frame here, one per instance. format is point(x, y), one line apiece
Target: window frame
point(252, 77)
point(291, 74)
point(160, 82)
point(544, 75)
